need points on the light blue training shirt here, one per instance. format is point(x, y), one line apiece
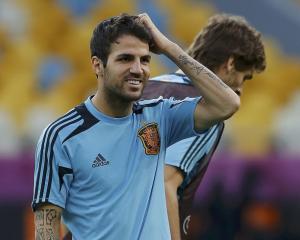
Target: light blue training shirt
point(107, 173)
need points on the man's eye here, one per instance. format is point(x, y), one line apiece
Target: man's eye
point(145, 60)
point(124, 59)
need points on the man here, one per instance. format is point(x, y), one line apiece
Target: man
point(233, 50)
point(100, 167)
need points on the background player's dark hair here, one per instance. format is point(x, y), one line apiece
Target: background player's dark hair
point(225, 36)
point(111, 29)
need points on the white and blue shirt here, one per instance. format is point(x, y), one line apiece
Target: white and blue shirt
point(191, 155)
point(188, 153)
point(107, 173)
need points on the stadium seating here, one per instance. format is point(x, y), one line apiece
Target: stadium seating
point(45, 62)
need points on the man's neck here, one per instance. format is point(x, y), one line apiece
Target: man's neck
point(116, 108)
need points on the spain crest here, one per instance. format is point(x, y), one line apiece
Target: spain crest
point(149, 136)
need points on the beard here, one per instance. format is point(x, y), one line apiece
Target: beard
point(115, 94)
point(121, 91)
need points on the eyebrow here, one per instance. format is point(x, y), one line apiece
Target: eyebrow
point(148, 56)
point(124, 55)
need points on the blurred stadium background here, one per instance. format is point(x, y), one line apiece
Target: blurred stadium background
point(251, 189)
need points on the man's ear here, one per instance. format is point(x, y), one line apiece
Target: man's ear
point(98, 66)
point(230, 64)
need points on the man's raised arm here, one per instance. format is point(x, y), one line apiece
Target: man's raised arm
point(219, 101)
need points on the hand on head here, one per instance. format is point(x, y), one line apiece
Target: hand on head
point(159, 41)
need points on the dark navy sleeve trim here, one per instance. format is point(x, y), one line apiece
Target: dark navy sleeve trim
point(35, 206)
point(88, 121)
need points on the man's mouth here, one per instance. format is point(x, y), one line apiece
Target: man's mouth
point(134, 81)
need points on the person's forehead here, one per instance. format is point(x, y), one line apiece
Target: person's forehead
point(128, 44)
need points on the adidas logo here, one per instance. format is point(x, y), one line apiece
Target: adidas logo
point(100, 161)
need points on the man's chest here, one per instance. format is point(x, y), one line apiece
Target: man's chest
point(114, 155)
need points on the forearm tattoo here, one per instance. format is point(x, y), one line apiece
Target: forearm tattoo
point(198, 68)
point(46, 221)
point(185, 61)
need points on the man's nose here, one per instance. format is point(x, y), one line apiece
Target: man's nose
point(136, 67)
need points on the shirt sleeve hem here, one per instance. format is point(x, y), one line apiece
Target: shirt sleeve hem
point(38, 202)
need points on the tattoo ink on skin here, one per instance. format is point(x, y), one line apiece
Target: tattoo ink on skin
point(40, 234)
point(50, 215)
point(44, 221)
point(184, 60)
point(39, 218)
point(50, 234)
point(199, 69)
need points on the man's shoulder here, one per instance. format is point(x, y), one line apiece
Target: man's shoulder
point(175, 85)
point(151, 106)
point(64, 117)
point(71, 114)
point(71, 123)
point(173, 78)
point(154, 101)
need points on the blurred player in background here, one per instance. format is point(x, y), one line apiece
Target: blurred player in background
point(101, 166)
point(233, 50)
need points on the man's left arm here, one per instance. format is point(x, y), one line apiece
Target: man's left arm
point(173, 179)
point(218, 102)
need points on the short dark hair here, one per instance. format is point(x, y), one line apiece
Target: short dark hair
point(109, 30)
point(225, 36)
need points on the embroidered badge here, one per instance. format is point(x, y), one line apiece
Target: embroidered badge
point(150, 138)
